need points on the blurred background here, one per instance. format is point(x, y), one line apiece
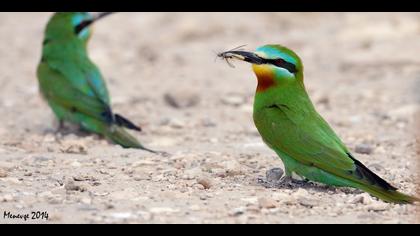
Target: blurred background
point(362, 71)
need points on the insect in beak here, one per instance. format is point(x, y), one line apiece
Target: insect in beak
point(228, 55)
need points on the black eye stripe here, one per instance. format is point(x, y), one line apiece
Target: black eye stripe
point(282, 63)
point(82, 26)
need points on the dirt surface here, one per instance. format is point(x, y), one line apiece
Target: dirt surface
point(362, 71)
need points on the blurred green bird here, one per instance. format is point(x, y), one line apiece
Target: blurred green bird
point(289, 124)
point(73, 85)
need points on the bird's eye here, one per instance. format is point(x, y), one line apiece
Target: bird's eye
point(284, 64)
point(82, 26)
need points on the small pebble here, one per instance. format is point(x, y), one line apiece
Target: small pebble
point(274, 175)
point(42, 159)
point(75, 149)
point(377, 206)
point(364, 149)
point(55, 199)
point(324, 100)
point(181, 99)
point(267, 203)
point(7, 198)
point(205, 182)
point(6, 165)
point(232, 168)
point(307, 202)
point(176, 123)
point(80, 178)
point(143, 163)
point(356, 200)
point(76, 164)
point(195, 208)
point(251, 200)
point(72, 186)
point(12, 180)
point(86, 201)
point(163, 210)
point(237, 211)
point(366, 199)
point(301, 193)
point(208, 123)
point(3, 173)
point(233, 100)
point(122, 215)
point(192, 174)
point(49, 138)
point(404, 112)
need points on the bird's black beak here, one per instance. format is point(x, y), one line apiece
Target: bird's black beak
point(243, 56)
point(87, 23)
point(102, 15)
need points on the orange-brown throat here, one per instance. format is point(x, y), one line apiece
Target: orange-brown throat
point(265, 77)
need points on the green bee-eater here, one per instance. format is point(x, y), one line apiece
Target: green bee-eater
point(289, 124)
point(73, 85)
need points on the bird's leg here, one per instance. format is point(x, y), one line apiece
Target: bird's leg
point(289, 173)
point(60, 126)
point(286, 180)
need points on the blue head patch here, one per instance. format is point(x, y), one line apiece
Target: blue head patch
point(78, 20)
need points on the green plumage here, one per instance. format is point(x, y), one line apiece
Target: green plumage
point(289, 124)
point(73, 85)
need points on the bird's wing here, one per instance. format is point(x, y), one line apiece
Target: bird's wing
point(55, 86)
point(83, 75)
point(311, 141)
point(96, 83)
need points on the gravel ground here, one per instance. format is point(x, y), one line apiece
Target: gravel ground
point(362, 71)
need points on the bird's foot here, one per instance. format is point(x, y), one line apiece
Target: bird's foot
point(60, 126)
point(287, 181)
point(65, 128)
point(284, 182)
point(290, 182)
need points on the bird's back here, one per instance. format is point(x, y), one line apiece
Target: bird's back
point(70, 59)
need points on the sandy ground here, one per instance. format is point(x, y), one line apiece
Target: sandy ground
point(362, 71)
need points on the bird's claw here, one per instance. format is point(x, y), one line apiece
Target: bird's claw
point(284, 182)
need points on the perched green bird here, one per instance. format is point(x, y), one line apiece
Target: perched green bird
point(289, 124)
point(73, 85)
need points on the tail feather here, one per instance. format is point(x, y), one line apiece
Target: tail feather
point(114, 132)
point(392, 196)
point(121, 121)
point(123, 138)
point(378, 187)
point(363, 173)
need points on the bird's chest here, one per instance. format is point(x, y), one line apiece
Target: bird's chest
point(278, 124)
point(268, 122)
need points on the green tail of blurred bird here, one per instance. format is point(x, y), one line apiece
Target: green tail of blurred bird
point(73, 85)
point(289, 124)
